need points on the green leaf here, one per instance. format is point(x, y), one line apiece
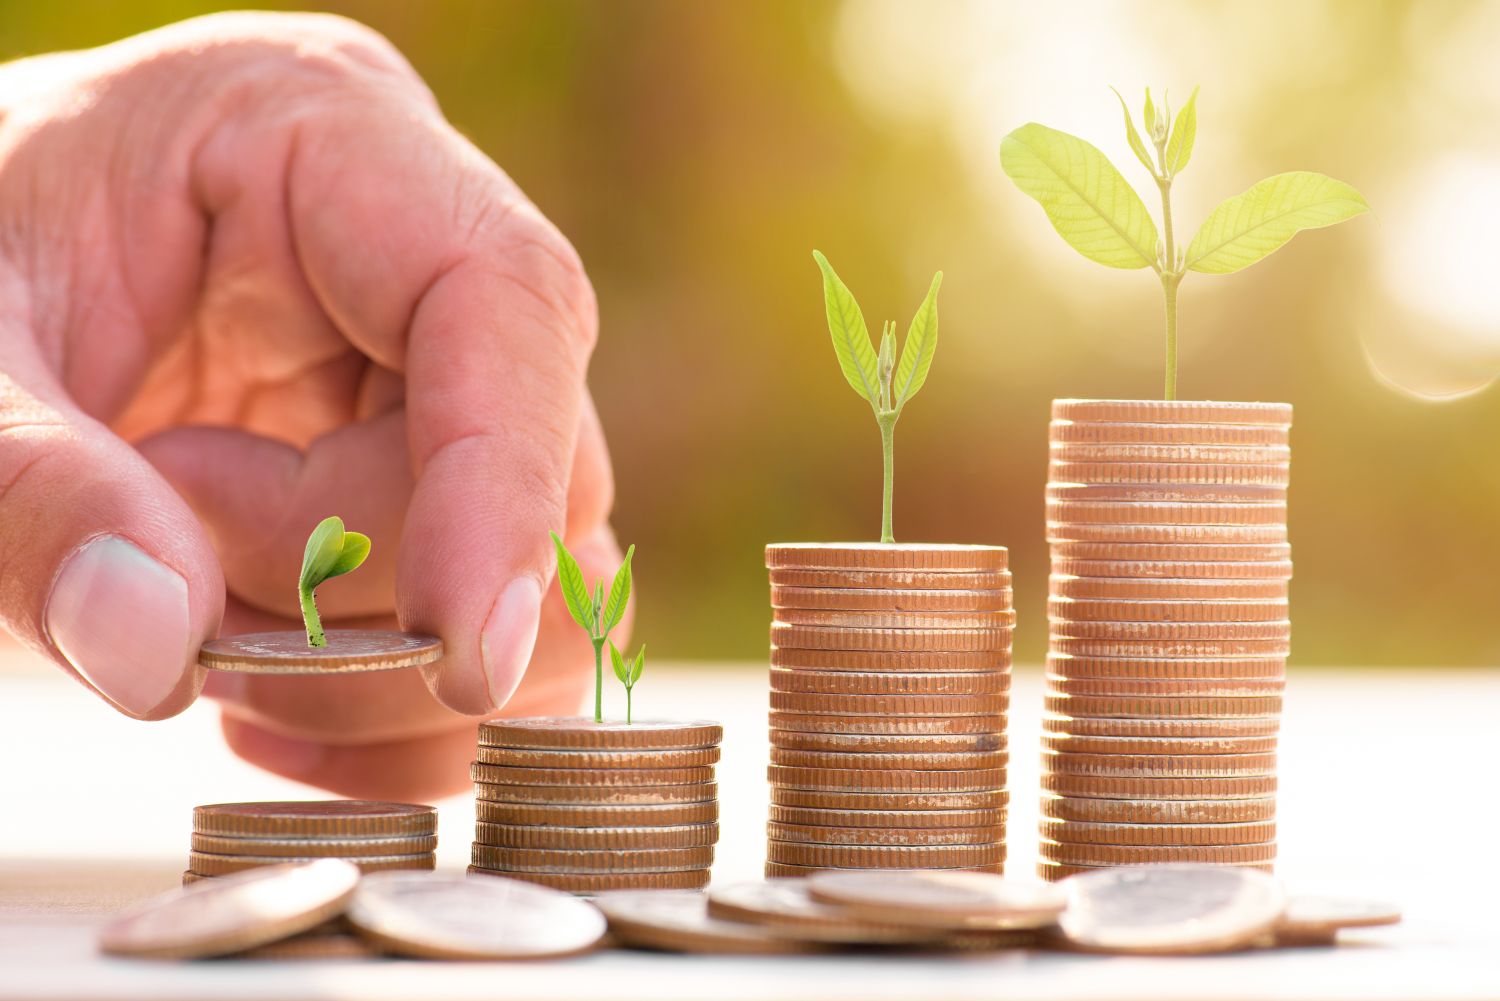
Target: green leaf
point(1184, 132)
point(1088, 202)
point(356, 548)
point(851, 338)
point(619, 593)
point(1150, 116)
point(574, 591)
point(324, 547)
point(919, 347)
point(621, 671)
point(639, 665)
point(1134, 137)
point(1251, 225)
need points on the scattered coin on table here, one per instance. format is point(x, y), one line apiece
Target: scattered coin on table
point(679, 921)
point(950, 900)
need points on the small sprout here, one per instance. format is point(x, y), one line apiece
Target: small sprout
point(628, 671)
point(591, 611)
point(330, 552)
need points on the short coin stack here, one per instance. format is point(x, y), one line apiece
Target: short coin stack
point(1169, 633)
point(232, 837)
point(589, 807)
point(890, 686)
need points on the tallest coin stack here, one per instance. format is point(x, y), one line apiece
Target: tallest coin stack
point(1169, 632)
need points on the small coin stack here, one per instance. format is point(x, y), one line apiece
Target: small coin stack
point(589, 807)
point(232, 837)
point(1169, 633)
point(890, 685)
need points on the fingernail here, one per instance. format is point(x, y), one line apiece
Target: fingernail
point(121, 620)
point(509, 635)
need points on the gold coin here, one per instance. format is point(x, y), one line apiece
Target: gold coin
point(1077, 531)
point(1201, 473)
point(864, 760)
point(884, 856)
point(222, 916)
point(1170, 909)
point(889, 725)
point(1130, 515)
point(348, 651)
point(1179, 765)
point(781, 870)
point(1248, 833)
point(1157, 745)
point(578, 733)
point(1268, 630)
point(341, 818)
point(1169, 649)
point(1179, 570)
point(1173, 412)
point(1055, 871)
point(1255, 726)
point(1154, 453)
point(872, 661)
point(1096, 854)
point(1168, 668)
point(580, 795)
point(877, 836)
point(522, 757)
point(680, 922)
point(560, 815)
point(896, 705)
point(1143, 552)
point(587, 883)
point(454, 917)
point(1147, 811)
point(1168, 434)
point(1138, 494)
point(210, 864)
point(948, 900)
point(314, 847)
point(890, 600)
point(822, 799)
point(890, 640)
point(785, 679)
point(1075, 610)
point(312, 946)
point(885, 556)
point(783, 907)
point(1140, 707)
point(946, 621)
point(875, 780)
point(1320, 918)
point(1171, 687)
point(909, 820)
point(589, 862)
point(922, 580)
point(1158, 787)
point(594, 777)
point(611, 838)
point(875, 743)
point(1164, 589)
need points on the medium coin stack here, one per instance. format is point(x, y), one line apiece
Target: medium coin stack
point(1169, 633)
point(589, 807)
point(232, 837)
point(890, 686)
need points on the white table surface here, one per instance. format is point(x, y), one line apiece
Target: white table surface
point(1388, 788)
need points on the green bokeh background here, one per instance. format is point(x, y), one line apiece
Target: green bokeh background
point(695, 152)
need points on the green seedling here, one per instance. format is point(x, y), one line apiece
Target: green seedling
point(331, 551)
point(628, 671)
point(1093, 208)
point(596, 615)
point(884, 384)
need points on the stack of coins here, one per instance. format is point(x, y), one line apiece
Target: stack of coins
point(589, 807)
point(1169, 633)
point(232, 837)
point(890, 685)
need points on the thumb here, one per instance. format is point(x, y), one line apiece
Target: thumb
point(106, 570)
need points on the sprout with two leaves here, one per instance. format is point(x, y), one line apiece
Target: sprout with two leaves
point(628, 671)
point(595, 613)
point(330, 552)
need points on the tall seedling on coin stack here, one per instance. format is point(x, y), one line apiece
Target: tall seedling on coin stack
point(596, 614)
point(883, 383)
point(1093, 208)
point(331, 551)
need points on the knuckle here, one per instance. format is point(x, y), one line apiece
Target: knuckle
point(308, 46)
point(541, 262)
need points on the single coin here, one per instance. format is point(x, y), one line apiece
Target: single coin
point(597, 777)
point(680, 922)
point(524, 757)
point(589, 883)
point(1205, 473)
point(545, 815)
point(585, 862)
point(210, 864)
point(885, 556)
point(896, 705)
point(582, 795)
point(890, 640)
point(1172, 687)
point(1166, 589)
point(876, 780)
point(1317, 919)
point(917, 580)
point(578, 733)
point(1159, 649)
point(1131, 515)
point(1154, 454)
point(785, 679)
point(612, 838)
point(878, 836)
point(1156, 811)
point(1170, 493)
point(1052, 872)
point(339, 818)
point(1173, 412)
point(1150, 671)
point(189, 877)
point(783, 907)
point(900, 661)
point(1170, 909)
point(314, 847)
point(1175, 610)
point(1174, 552)
point(950, 900)
point(895, 620)
point(456, 917)
point(884, 856)
point(891, 725)
point(781, 870)
point(1158, 745)
point(1221, 572)
point(1158, 787)
point(1139, 707)
point(1249, 833)
point(1254, 726)
point(1168, 434)
point(889, 762)
point(909, 820)
point(221, 916)
point(925, 745)
point(1272, 630)
point(1182, 765)
point(821, 799)
point(890, 600)
point(1078, 531)
point(312, 946)
point(348, 651)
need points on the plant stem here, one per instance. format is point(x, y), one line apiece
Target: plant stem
point(887, 422)
point(627, 707)
point(311, 619)
point(1169, 294)
point(1170, 276)
point(599, 680)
